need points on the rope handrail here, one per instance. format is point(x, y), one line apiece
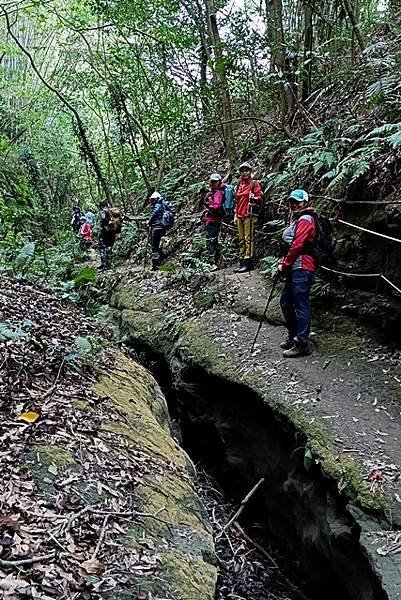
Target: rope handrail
point(382, 235)
point(376, 275)
point(351, 274)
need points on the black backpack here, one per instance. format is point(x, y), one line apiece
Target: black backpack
point(168, 217)
point(322, 249)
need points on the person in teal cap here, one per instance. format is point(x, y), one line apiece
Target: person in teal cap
point(298, 266)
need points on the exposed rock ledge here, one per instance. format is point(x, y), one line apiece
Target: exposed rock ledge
point(171, 550)
point(181, 536)
point(253, 424)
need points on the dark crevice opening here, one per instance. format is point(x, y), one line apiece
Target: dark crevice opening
point(237, 438)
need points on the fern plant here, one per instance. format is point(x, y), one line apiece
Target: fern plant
point(351, 167)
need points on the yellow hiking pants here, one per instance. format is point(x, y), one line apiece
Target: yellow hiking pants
point(246, 234)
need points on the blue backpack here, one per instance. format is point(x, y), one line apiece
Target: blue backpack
point(168, 217)
point(229, 196)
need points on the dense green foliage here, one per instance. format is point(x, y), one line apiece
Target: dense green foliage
point(110, 98)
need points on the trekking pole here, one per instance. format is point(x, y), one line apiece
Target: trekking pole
point(250, 210)
point(275, 281)
point(146, 249)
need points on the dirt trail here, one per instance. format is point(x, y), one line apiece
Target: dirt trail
point(350, 381)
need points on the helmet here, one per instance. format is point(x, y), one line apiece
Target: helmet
point(299, 196)
point(215, 177)
point(155, 196)
point(245, 166)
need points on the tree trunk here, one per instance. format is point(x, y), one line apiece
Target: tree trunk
point(221, 78)
point(203, 82)
point(308, 47)
point(279, 59)
point(351, 15)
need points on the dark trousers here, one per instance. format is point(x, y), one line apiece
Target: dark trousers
point(212, 241)
point(106, 243)
point(295, 304)
point(156, 238)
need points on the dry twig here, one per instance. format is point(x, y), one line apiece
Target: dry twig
point(242, 506)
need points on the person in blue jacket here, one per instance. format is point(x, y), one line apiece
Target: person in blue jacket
point(157, 229)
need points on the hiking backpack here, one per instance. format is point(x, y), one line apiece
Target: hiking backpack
point(227, 207)
point(229, 196)
point(168, 217)
point(116, 222)
point(322, 249)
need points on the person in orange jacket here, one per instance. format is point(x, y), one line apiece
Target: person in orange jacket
point(248, 195)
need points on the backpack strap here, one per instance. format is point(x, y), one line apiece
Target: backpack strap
point(250, 191)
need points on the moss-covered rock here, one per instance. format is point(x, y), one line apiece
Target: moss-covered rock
point(171, 528)
point(177, 527)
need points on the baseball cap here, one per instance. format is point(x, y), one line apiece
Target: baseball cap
point(245, 166)
point(215, 177)
point(155, 195)
point(299, 196)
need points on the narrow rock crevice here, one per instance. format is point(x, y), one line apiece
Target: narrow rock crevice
point(232, 431)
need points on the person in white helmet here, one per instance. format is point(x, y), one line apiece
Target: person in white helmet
point(161, 218)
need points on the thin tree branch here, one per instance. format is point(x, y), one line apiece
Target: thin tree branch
point(81, 128)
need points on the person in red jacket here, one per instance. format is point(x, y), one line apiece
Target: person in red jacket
point(298, 266)
point(85, 232)
point(247, 201)
point(213, 217)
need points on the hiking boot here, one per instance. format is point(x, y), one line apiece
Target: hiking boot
point(297, 350)
point(241, 264)
point(245, 266)
point(288, 343)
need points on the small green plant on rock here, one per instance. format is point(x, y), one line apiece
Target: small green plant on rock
point(205, 299)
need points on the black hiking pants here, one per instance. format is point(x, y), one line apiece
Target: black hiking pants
point(157, 233)
point(106, 243)
point(212, 241)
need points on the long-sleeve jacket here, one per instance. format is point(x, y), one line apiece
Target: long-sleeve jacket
point(156, 214)
point(242, 197)
point(214, 204)
point(85, 231)
point(301, 232)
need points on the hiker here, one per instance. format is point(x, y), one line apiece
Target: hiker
point(90, 217)
point(229, 197)
point(298, 267)
point(160, 220)
point(76, 219)
point(213, 217)
point(85, 232)
point(248, 195)
point(110, 226)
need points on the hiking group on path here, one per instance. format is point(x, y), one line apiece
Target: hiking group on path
point(305, 242)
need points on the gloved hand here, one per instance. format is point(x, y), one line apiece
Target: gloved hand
point(282, 270)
